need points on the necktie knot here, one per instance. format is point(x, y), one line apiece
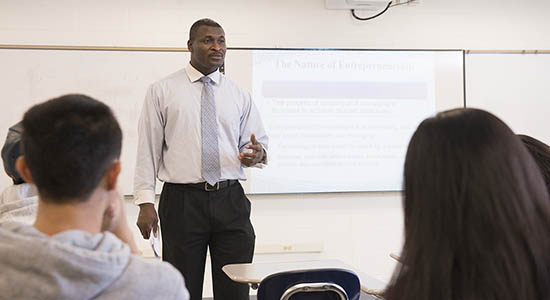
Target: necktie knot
point(205, 80)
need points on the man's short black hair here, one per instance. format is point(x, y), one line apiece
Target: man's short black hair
point(11, 152)
point(69, 142)
point(202, 22)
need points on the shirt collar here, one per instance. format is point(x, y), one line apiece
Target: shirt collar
point(195, 75)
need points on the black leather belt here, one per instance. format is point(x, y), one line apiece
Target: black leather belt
point(205, 186)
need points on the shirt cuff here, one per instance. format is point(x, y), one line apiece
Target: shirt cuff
point(144, 196)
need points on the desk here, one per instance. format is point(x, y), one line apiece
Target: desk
point(254, 273)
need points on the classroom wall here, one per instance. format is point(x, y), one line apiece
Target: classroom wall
point(468, 24)
point(358, 228)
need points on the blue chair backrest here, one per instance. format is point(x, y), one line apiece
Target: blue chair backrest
point(317, 282)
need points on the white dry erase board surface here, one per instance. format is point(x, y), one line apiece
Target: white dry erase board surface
point(513, 86)
point(338, 120)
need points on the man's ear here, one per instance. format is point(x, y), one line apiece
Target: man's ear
point(190, 46)
point(112, 175)
point(23, 169)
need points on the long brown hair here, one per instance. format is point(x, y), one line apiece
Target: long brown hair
point(477, 213)
point(541, 153)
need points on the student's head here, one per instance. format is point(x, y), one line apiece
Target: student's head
point(11, 152)
point(71, 145)
point(477, 214)
point(541, 153)
point(207, 45)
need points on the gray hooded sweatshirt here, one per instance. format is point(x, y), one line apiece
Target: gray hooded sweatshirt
point(78, 265)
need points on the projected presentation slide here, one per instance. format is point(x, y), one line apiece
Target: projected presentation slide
point(341, 120)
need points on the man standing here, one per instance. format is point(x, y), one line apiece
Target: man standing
point(196, 132)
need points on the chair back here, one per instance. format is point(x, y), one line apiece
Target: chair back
point(318, 284)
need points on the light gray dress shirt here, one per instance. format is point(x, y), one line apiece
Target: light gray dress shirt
point(169, 131)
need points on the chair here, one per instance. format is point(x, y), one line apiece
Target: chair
point(319, 284)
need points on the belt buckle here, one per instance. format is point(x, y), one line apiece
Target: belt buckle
point(214, 187)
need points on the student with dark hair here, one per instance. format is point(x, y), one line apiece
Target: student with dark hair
point(541, 153)
point(11, 152)
point(18, 202)
point(80, 246)
point(477, 214)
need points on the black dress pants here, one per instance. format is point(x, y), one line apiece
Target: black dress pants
point(191, 220)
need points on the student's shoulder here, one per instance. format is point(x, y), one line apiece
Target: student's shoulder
point(154, 266)
point(149, 274)
point(8, 194)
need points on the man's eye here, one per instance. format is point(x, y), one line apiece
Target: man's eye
point(207, 41)
point(221, 41)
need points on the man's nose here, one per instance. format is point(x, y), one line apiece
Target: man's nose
point(217, 46)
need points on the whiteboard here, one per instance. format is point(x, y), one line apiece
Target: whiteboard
point(514, 87)
point(117, 78)
point(120, 79)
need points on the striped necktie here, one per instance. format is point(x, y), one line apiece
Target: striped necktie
point(209, 129)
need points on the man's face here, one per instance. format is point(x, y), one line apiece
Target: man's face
point(207, 49)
